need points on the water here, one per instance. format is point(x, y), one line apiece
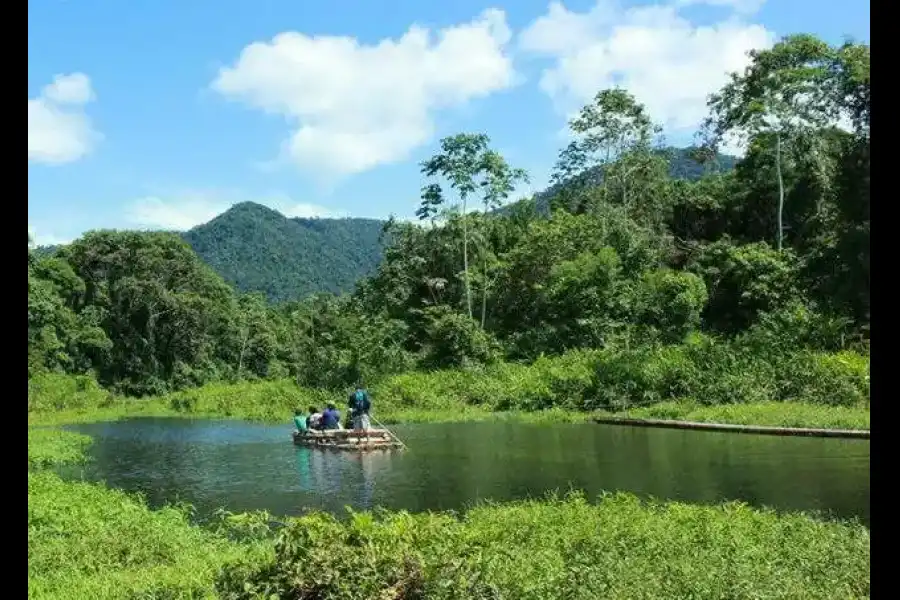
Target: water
point(248, 466)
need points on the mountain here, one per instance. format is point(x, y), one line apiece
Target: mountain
point(682, 165)
point(256, 248)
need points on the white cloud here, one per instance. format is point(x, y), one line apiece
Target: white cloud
point(59, 131)
point(668, 63)
point(45, 239)
point(305, 210)
point(179, 215)
point(353, 107)
point(70, 89)
point(184, 211)
point(740, 6)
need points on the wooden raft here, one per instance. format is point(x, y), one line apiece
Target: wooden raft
point(347, 439)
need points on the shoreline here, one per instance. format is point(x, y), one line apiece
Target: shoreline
point(862, 434)
point(761, 419)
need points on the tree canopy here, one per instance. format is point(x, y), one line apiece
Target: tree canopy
point(625, 249)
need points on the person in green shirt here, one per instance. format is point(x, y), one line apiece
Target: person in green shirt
point(300, 421)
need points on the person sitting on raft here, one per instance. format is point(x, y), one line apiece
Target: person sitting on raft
point(359, 408)
point(331, 418)
point(300, 421)
point(314, 420)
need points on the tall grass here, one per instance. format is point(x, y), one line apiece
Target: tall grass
point(52, 447)
point(86, 541)
point(701, 371)
point(561, 548)
point(772, 414)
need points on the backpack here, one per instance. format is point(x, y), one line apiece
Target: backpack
point(361, 401)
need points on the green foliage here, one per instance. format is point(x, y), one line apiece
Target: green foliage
point(54, 447)
point(560, 548)
point(769, 414)
point(257, 249)
point(671, 303)
point(85, 541)
point(55, 391)
point(835, 379)
point(744, 281)
point(455, 340)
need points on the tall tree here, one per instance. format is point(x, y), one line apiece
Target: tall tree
point(614, 128)
point(469, 165)
point(789, 91)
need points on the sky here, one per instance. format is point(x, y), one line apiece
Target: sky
point(161, 114)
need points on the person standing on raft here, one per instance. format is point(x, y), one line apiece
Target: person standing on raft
point(360, 405)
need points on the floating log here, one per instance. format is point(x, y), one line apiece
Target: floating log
point(347, 439)
point(862, 434)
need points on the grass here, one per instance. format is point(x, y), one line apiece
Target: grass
point(52, 447)
point(268, 401)
point(401, 400)
point(733, 383)
point(620, 547)
point(773, 414)
point(86, 541)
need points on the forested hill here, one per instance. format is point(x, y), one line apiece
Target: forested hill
point(255, 248)
point(682, 165)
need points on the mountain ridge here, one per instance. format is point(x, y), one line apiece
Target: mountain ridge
point(257, 249)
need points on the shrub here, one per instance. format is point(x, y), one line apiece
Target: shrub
point(455, 340)
point(671, 302)
point(744, 281)
point(55, 391)
point(560, 548)
point(840, 379)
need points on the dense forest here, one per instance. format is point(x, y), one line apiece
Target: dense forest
point(719, 281)
point(257, 249)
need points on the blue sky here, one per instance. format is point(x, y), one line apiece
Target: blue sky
point(162, 114)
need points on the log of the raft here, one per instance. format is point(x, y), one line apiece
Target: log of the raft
point(346, 439)
point(757, 429)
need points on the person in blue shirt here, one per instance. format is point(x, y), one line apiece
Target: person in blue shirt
point(360, 405)
point(331, 418)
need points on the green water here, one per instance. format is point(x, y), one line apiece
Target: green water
point(246, 466)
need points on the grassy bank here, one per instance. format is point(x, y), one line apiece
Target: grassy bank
point(698, 380)
point(770, 414)
point(86, 541)
point(60, 399)
point(620, 547)
point(52, 447)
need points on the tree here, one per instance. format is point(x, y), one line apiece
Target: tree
point(171, 320)
point(789, 91)
point(613, 143)
point(744, 281)
point(470, 166)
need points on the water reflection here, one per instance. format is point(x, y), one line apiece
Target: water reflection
point(246, 466)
